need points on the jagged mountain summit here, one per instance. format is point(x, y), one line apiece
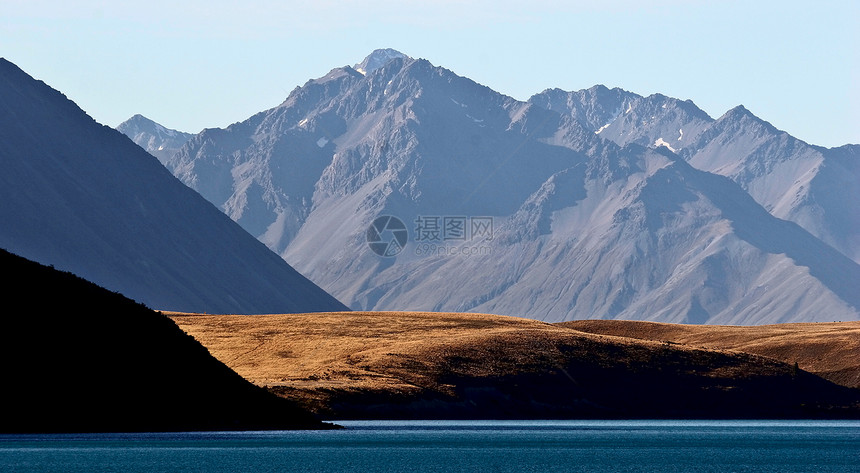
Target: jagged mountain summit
point(815, 187)
point(509, 207)
point(83, 198)
point(624, 117)
point(157, 140)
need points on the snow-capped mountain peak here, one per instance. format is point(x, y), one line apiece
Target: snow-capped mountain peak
point(377, 59)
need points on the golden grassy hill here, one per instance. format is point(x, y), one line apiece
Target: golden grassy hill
point(454, 365)
point(830, 350)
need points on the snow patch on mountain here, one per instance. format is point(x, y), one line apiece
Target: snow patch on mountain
point(661, 142)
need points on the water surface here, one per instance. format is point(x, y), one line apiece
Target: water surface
point(442, 446)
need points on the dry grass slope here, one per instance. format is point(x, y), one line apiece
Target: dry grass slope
point(830, 350)
point(416, 364)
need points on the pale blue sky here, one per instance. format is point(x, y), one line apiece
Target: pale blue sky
point(196, 64)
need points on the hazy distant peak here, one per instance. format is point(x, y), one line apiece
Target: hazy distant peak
point(742, 115)
point(335, 74)
point(156, 139)
point(140, 123)
point(738, 111)
point(377, 59)
point(137, 120)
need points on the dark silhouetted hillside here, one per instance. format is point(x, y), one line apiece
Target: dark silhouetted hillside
point(79, 358)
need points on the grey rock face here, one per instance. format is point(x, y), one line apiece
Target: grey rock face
point(816, 188)
point(518, 208)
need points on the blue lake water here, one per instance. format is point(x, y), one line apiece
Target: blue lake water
point(442, 446)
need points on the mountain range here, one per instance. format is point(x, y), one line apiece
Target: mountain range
point(83, 198)
point(812, 186)
point(591, 204)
